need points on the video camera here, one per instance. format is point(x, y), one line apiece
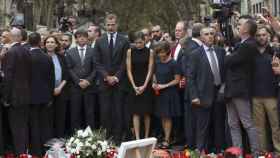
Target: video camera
point(64, 24)
point(223, 10)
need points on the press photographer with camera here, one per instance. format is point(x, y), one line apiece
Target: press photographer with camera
point(238, 90)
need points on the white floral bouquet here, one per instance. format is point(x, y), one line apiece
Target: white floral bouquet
point(85, 144)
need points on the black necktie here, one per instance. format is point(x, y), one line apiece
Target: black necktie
point(111, 44)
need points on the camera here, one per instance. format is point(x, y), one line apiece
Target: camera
point(223, 9)
point(64, 24)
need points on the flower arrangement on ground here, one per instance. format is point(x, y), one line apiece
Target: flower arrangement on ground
point(87, 143)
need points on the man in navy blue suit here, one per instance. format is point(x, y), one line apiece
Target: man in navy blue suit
point(206, 69)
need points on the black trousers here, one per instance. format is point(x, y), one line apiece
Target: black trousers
point(60, 104)
point(18, 121)
point(82, 106)
point(189, 124)
point(210, 127)
point(112, 112)
point(1, 130)
point(178, 122)
point(41, 127)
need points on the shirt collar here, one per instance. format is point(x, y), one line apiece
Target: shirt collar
point(32, 48)
point(206, 48)
point(14, 43)
point(114, 34)
point(197, 41)
point(244, 40)
point(84, 47)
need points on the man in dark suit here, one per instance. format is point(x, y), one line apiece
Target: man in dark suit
point(206, 67)
point(239, 79)
point(191, 43)
point(83, 88)
point(110, 52)
point(42, 88)
point(17, 88)
point(177, 54)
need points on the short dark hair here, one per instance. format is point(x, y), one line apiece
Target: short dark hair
point(34, 39)
point(97, 29)
point(79, 33)
point(69, 35)
point(24, 34)
point(162, 46)
point(197, 27)
point(111, 16)
point(252, 26)
point(246, 17)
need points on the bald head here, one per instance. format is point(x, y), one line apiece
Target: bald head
point(16, 35)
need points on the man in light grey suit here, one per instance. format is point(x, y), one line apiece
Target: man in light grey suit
point(110, 52)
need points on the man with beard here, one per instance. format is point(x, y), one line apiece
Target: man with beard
point(264, 93)
point(156, 34)
point(66, 40)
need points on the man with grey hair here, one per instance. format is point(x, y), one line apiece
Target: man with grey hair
point(148, 37)
point(17, 81)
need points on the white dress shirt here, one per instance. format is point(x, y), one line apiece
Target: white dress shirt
point(82, 53)
point(209, 58)
point(114, 37)
point(177, 50)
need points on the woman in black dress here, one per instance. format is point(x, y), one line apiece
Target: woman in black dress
point(166, 78)
point(139, 63)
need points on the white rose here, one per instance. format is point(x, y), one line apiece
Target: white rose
point(71, 140)
point(77, 141)
point(93, 147)
point(87, 144)
point(79, 133)
point(99, 153)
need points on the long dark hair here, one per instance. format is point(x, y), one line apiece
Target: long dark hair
point(57, 49)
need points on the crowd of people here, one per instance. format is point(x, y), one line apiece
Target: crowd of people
point(195, 90)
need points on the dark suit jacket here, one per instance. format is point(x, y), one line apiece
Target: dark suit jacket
point(78, 71)
point(43, 77)
point(201, 79)
point(107, 65)
point(240, 68)
point(65, 75)
point(17, 79)
point(187, 49)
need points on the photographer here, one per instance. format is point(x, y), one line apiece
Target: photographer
point(238, 90)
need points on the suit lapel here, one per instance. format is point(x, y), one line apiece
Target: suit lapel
point(76, 56)
point(205, 58)
point(116, 45)
point(219, 57)
point(87, 52)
